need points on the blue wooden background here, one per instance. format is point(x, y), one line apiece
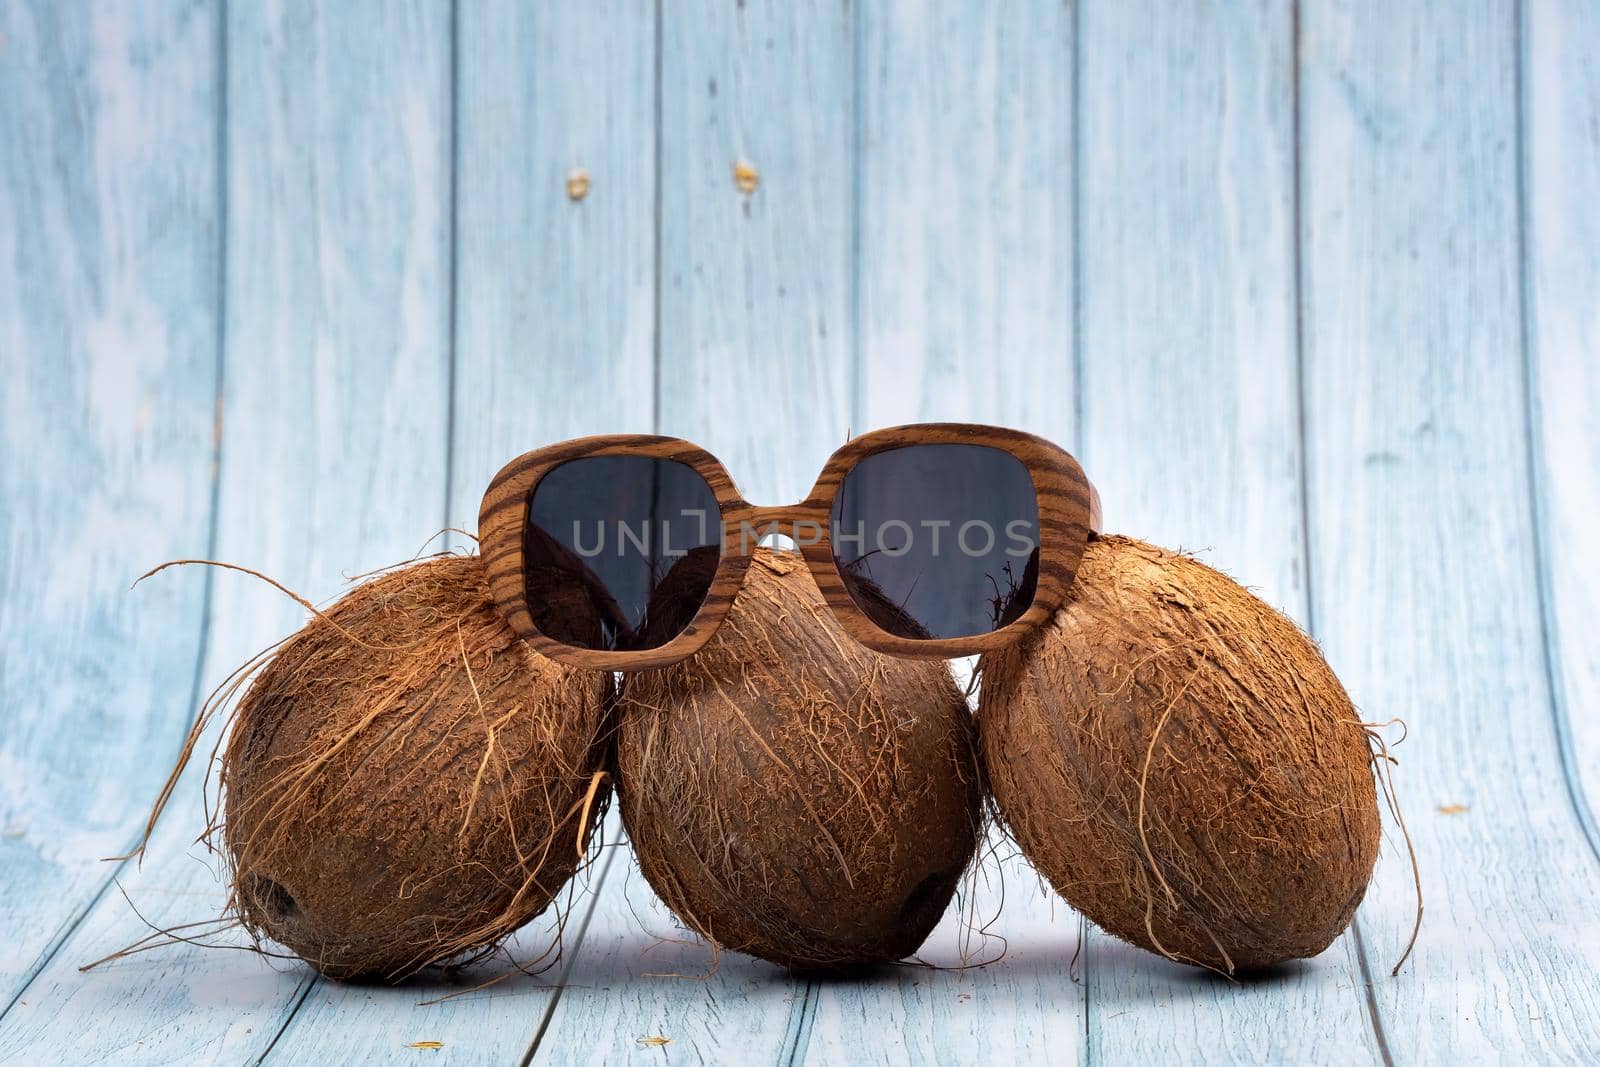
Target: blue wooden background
point(1312, 289)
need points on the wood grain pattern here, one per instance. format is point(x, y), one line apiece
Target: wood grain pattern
point(966, 179)
point(333, 460)
point(555, 298)
point(755, 365)
point(1031, 1004)
point(1067, 508)
point(371, 253)
point(108, 389)
point(1416, 455)
point(908, 250)
point(966, 312)
point(555, 327)
point(1188, 287)
point(755, 287)
point(638, 976)
point(1561, 161)
point(1192, 407)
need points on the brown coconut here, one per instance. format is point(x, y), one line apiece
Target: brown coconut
point(1178, 761)
point(404, 781)
point(791, 794)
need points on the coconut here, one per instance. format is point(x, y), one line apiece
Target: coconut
point(1178, 761)
point(791, 794)
point(406, 782)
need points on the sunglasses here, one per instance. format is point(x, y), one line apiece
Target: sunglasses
point(625, 552)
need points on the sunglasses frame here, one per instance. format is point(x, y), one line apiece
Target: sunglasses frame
point(1069, 513)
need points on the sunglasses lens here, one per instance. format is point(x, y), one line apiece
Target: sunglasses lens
point(619, 551)
point(938, 541)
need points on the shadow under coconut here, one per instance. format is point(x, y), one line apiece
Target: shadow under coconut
point(436, 983)
point(1124, 974)
point(863, 975)
point(529, 963)
point(640, 954)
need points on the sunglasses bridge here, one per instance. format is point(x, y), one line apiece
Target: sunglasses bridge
point(805, 523)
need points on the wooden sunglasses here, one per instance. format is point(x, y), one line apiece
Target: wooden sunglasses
point(625, 552)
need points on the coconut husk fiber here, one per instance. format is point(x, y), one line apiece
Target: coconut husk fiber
point(405, 782)
point(1178, 761)
point(791, 794)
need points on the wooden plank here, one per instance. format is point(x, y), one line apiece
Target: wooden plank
point(637, 976)
point(1191, 417)
point(756, 353)
point(755, 363)
point(554, 317)
point(555, 337)
point(1029, 1005)
point(360, 167)
point(966, 314)
point(966, 201)
point(1422, 541)
point(333, 458)
point(1560, 44)
point(555, 297)
point(1187, 246)
point(358, 1023)
point(108, 340)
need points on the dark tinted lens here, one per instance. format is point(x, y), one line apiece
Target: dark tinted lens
point(619, 551)
point(938, 541)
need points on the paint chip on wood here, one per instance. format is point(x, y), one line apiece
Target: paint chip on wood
point(654, 1041)
point(745, 176)
point(1453, 809)
point(577, 183)
point(426, 1044)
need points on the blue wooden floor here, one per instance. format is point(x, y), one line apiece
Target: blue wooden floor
point(1311, 289)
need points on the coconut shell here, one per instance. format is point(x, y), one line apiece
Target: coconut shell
point(1178, 761)
point(404, 780)
point(793, 795)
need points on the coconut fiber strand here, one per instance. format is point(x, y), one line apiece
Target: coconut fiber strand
point(1178, 761)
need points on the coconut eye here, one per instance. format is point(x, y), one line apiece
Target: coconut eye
point(933, 892)
point(273, 898)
